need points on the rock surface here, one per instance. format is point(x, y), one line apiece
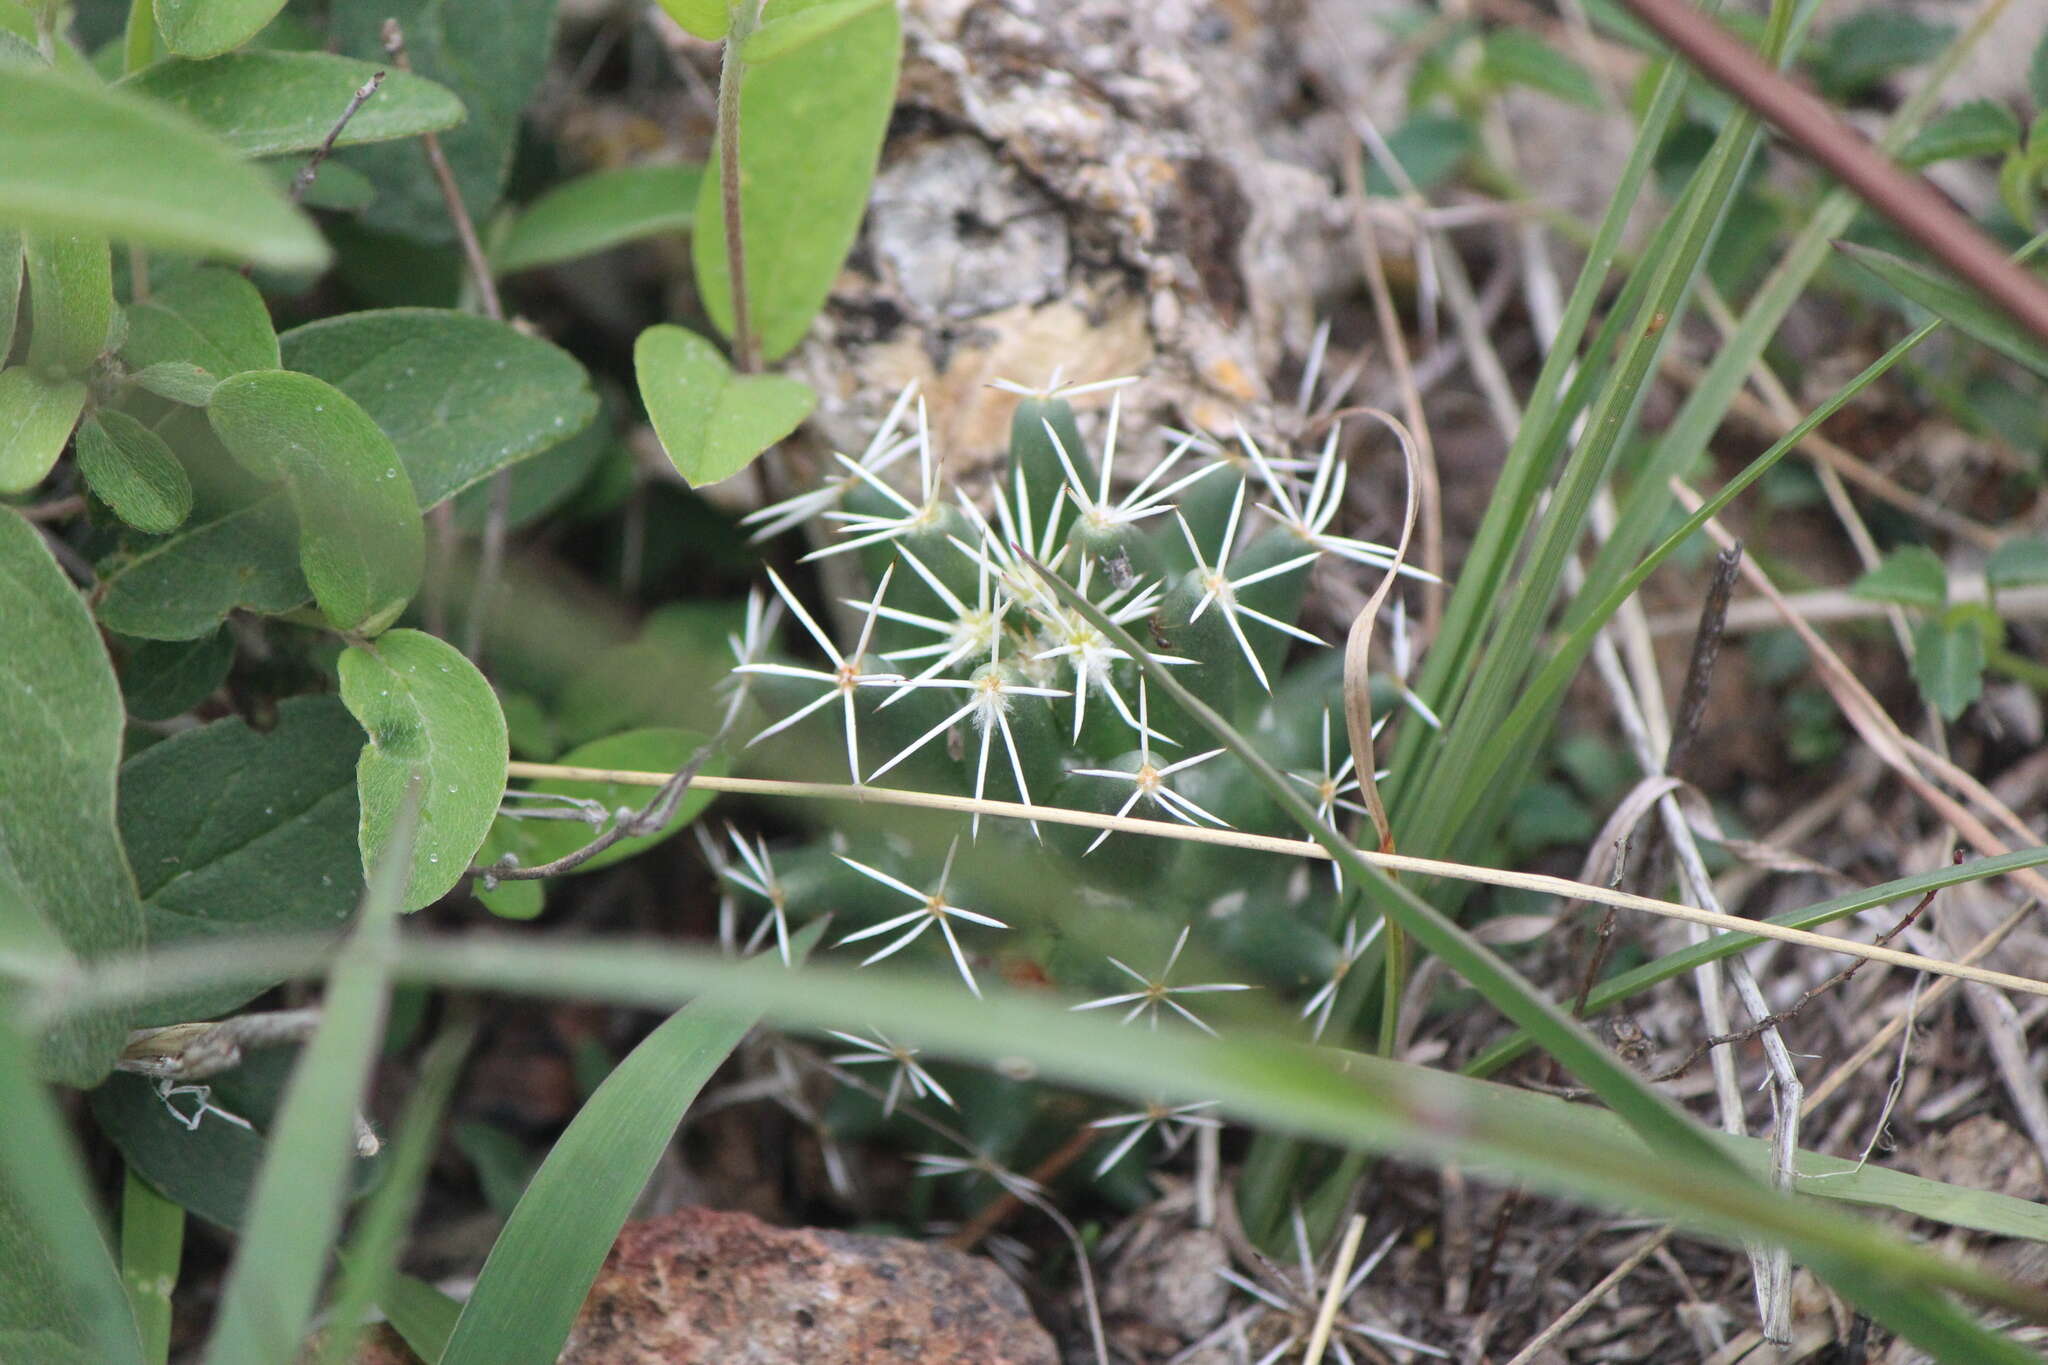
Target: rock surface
point(701, 1287)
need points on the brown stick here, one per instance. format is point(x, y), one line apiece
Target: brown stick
point(1909, 201)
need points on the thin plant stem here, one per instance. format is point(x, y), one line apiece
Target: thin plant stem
point(746, 355)
point(303, 180)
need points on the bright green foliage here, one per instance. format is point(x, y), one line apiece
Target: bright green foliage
point(178, 380)
point(272, 848)
point(1955, 304)
point(265, 103)
point(810, 133)
point(704, 18)
point(209, 317)
point(599, 211)
point(129, 468)
point(75, 159)
point(63, 875)
point(71, 287)
point(434, 724)
point(491, 55)
point(798, 28)
point(460, 396)
point(711, 421)
point(10, 285)
point(152, 1249)
point(361, 545)
point(207, 28)
point(1912, 577)
point(36, 418)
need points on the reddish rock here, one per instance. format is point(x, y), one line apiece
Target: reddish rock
point(700, 1287)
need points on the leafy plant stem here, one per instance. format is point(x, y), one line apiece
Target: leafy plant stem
point(152, 1243)
point(746, 14)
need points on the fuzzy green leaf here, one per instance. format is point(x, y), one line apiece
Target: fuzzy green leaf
point(208, 317)
point(810, 134)
point(491, 54)
point(62, 871)
point(180, 381)
point(36, 418)
point(10, 285)
point(792, 32)
point(73, 158)
point(207, 28)
point(129, 468)
point(1912, 576)
point(1948, 664)
point(183, 586)
point(71, 290)
point(1956, 304)
point(460, 396)
point(1978, 128)
point(430, 715)
point(711, 421)
point(599, 211)
point(272, 848)
point(361, 544)
point(265, 103)
point(2019, 562)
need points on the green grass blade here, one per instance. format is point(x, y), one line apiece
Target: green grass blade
point(152, 1245)
point(420, 1313)
point(543, 1263)
point(60, 1294)
point(296, 1208)
point(1694, 955)
point(380, 1234)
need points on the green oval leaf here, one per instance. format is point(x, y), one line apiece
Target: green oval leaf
point(599, 211)
point(711, 421)
point(61, 864)
point(129, 468)
point(658, 750)
point(1954, 304)
point(182, 587)
point(707, 19)
point(2018, 563)
point(71, 290)
point(36, 418)
point(810, 134)
point(1978, 128)
point(264, 103)
point(75, 158)
point(460, 396)
point(272, 848)
point(431, 717)
point(361, 544)
point(208, 317)
point(206, 28)
point(178, 380)
point(1948, 664)
point(1912, 576)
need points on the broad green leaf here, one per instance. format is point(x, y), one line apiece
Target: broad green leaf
point(1430, 147)
point(165, 678)
point(207, 28)
point(810, 134)
point(60, 1298)
point(430, 716)
point(460, 396)
point(1948, 664)
point(10, 286)
point(61, 862)
point(795, 31)
point(178, 380)
point(271, 849)
point(77, 159)
point(1912, 576)
point(1956, 304)
point(295, 1211)
point(543, 483)
point(491, 54)
point(152, 1249)
point(264, 103)
point(361, 544)
point(129, 468)
point(1514, 56)
point(651, 750)
point(711, 421)
point(36, 418)
point(183, 586)
point(543, 1263)
point(335, 186)
point(2017, 563)
point(71, 292)
point(599, 211)
point(421, 1314)
point(1978, 128)
point(1868, 46)
point(208, 317)
point(707, 19)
